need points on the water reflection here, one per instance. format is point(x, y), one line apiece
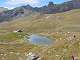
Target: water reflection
point(39, 40)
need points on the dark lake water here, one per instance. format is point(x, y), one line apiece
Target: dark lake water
point(40, 40)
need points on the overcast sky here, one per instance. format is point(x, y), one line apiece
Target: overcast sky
point(35, 3)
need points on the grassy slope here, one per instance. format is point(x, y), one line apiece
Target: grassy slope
point(62, 49)
point(67, 21)
point(38, 23)
point(46, 25)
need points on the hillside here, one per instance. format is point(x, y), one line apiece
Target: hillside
point(27, 10)
point(3, 9)
point(66, 21)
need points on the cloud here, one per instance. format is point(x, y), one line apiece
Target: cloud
point(14, 2)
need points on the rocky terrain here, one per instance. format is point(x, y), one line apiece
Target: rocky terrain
point(66, 45)
point(27, 10)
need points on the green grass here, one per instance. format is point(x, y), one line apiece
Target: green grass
point(12, 36)
point(62, 49)
point(67, 21)
point(46, 25)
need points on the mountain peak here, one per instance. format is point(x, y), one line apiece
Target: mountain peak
point(76, 3)
point(2, 9)
point(51, 8)
point(51, 4)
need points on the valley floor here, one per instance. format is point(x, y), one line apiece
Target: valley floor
point(66, 47)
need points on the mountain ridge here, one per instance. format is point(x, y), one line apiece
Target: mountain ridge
point(27, 10)
point(62, 22)
point(2, 9)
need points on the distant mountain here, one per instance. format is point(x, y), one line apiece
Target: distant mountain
point(28, 10)
point(55, 8)
point(16, 13)
point(3, 9)
point(76, 3)
point(63, 22)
